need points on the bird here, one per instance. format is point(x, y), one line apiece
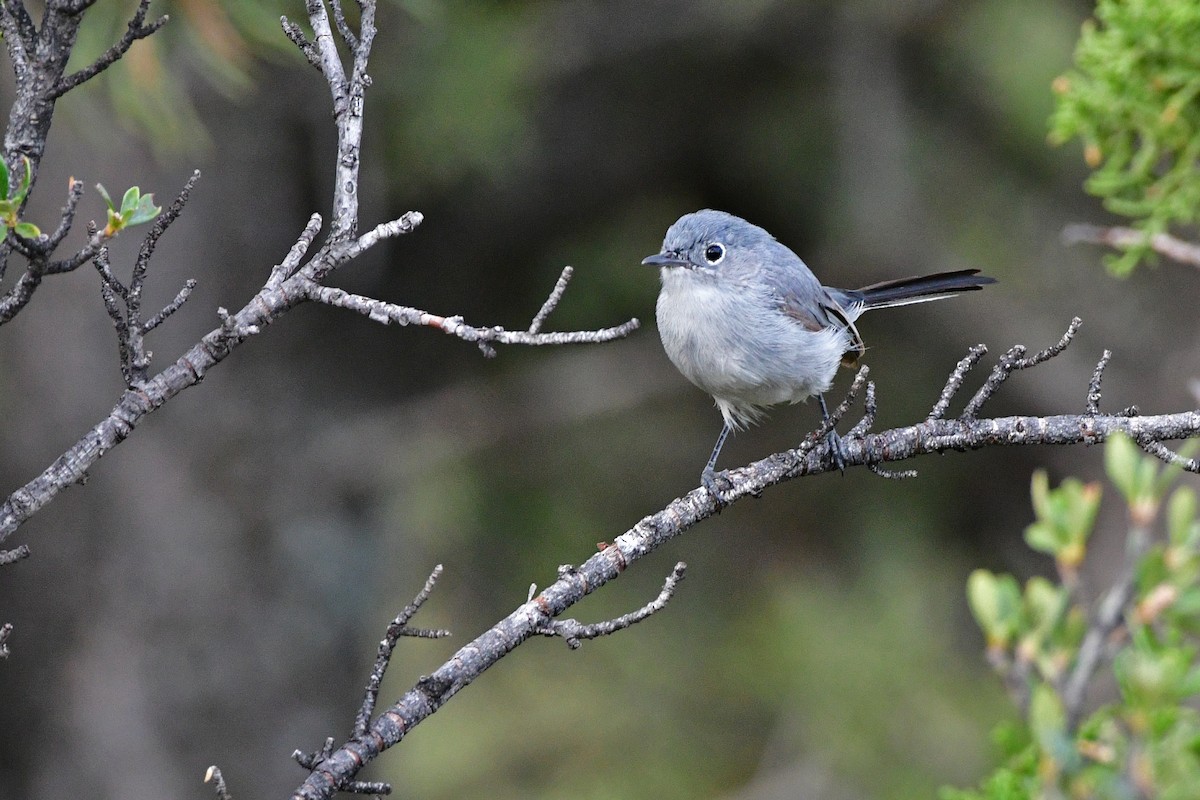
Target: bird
point(742, 317)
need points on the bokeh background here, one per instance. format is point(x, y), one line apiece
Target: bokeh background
point(216, 591)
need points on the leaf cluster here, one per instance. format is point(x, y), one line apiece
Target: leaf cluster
point(136, 208)
point(1131, 100)
point(1146, 743)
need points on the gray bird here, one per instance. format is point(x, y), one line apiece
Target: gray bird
point(743, 318)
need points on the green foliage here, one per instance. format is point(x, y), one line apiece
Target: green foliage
point(10, 207)
point(1131, 99)
point(135, 209)
point(1065, 518)
point(1147, 741)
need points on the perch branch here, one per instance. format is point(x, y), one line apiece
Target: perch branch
point(339, 766)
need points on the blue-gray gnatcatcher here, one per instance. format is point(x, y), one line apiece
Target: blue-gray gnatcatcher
point(744, 319)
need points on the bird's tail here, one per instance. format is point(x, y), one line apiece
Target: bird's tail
point(917, 289)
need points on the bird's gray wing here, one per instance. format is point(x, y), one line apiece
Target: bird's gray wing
point(826, 312)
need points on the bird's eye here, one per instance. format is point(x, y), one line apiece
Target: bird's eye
point(714, 253)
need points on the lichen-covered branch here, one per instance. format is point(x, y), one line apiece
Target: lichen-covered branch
point(292, 282)
point(337, 767)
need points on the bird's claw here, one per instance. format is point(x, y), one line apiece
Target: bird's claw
point(836, 451)
point(712, 480)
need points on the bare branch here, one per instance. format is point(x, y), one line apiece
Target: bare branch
point(74, 193)
point(214, 776)
point(1124, 238)
point(295, 257)
point(1009, 363)
point(171, 307)
point(296, 34)
point(135, 30)
point(16, 554)
point(390, 313)
point(574, 632)
point(338, 767)
point(552, 301)
point(5, 631)
point(398, 627)
point(1093, 395)
point(20, 36)
point(1169, 456)
point(339, 19)
point(870, 408)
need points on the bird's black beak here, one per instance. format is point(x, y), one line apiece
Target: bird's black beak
point(665, 260)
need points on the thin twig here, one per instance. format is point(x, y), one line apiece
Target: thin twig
point(296, 34)
point(821, 432)
point(1015, 359)
point(390, 313)
point(286, 268)
point(12, 556)
point(575, 632)
point(552, 301)
point(135, 30)
point(1093, 395)
point(955, 381)
point(171, 307)
point(339, 19)
point(1168, 456)
point(213, 775)
point(67, 218)
point(397, 628)
point(870, 408)
point(1125, 238)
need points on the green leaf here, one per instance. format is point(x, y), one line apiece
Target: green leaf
point(995, 601)
point(1121, 463)
point(1044, 538)
point(103, 193)
point(3, 180)
point(28, 230)
point(129, 202)
point(145, 211)
point(1048, 723)
point(26, 181)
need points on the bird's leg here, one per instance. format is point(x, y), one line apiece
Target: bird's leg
point(835, 441)
point(708, 478)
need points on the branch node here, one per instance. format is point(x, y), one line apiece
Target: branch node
point(574, 632)
point(397, 628)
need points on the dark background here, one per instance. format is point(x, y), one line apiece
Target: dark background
point(216, 592)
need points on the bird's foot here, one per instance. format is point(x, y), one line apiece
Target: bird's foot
point(835, 449)
point(717, 483)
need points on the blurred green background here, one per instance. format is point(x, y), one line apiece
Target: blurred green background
point(215, 594)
